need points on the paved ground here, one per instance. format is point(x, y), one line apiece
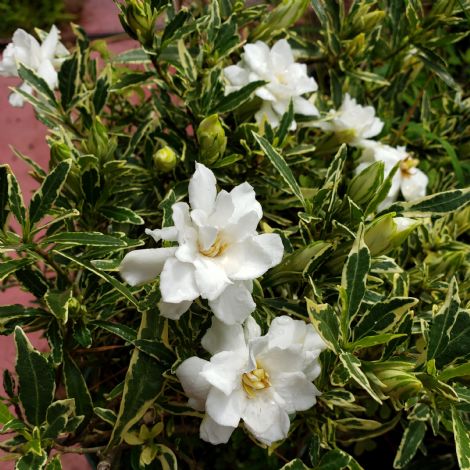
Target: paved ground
point(20, 129)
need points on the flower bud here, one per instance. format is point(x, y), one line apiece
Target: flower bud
point(140, 18)
point(165, 159)
point(212, 140)
point(364, 185)
point(388, 232)
point(370, 20)
point(282, 17)
point(397, 378)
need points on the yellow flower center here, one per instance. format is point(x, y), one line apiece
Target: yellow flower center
point(216, 249)
point(407, 164)
point(257, 379)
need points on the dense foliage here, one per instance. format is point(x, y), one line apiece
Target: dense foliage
point(125, 133)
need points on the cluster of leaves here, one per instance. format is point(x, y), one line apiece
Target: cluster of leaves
point(395, 375)
point(29, 14)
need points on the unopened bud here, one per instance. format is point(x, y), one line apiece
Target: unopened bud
point(280, 18)
point(140, 18)
point(388, 232)
point(363, 186)
point(165, 159)
point(397, 378)
point(212, 140)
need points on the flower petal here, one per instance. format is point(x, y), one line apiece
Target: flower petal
point(267, 421)
point(226, 409)
point(166, 233)
point(257, 57)
point(49, 45)
point(222, 337)
point(214, 433)
point(174, 311)
point(140, 266)
point(202, 190)
point(297, 392)
point(177, 282)
point(194, 384)
point(210, 276)
point(244, 201)
point(253, 257)
point(267, 113)
point(27, 49)
point(281, 55)
point(305, 107)
point(47, 72)
point(414, 186)
point(236, 75)
point(224, 372)
point(234, 304)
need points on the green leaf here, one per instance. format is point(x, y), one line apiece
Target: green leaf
point(434, 63)
point(122, 215)
point(445, 329)
point(132, 79)
point(456, 371)
point(462, 440)
point(285, 123)
point(353, 280)
point(46, 195)
point(76, 388)
point(108, 416)
point(15, 199)
point(57, 417)
point(13, 265)
point(32, 461)
point(326, 322)
point(374, 340)
point(337, 459)
point(58, 303)
point(353, 366)
point(411, 440)
point(138, 394)
point(84, 238)
point(119, 286)
point(36, 379)
point(281, 166)
point(4, 170)
point(54, 464)
point(68, 75)
point(363, 187)
point(295, 464)
point(173, 27)
point(101, 94)
point(383, 316)
point(39, 84)
point(156, 350)
point(435, 204)
point(125, 332)
point(5, 414)
point(133, 56)
point(56, 342)
point(237, 98)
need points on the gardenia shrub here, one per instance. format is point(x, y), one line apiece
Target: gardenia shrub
point(250, 248)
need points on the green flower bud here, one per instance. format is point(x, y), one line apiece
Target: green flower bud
point(388, 232)
point(212, 140)
point(141, 18)
point(165, 159)
point(363, 186)
point(282, 17)
point(397, 379)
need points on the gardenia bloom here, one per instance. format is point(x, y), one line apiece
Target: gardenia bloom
point(254, 378)
point(352, 123)
point(219, 252)
point(287, 80)
point(408, 179)
point(43, 59)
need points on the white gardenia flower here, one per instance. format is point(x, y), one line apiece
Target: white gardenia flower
point(352, 123)
point(219, 252)
point(257, 379)
point(44, 59)
point(287, 79)
point(408, 179)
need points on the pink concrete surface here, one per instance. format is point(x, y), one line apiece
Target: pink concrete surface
point(20, 129)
